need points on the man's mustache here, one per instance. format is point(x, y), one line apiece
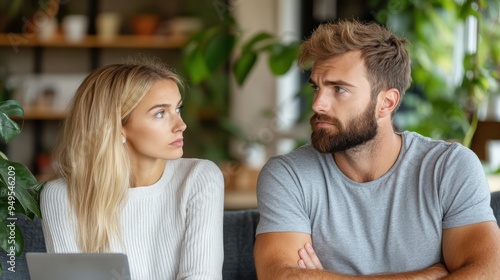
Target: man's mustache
point(323, 118)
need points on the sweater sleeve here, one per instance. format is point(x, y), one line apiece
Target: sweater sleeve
point(202, 252)
point(56, 223)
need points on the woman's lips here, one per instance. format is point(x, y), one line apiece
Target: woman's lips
point(178, 143)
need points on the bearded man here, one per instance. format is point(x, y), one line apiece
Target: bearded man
point(363, 200)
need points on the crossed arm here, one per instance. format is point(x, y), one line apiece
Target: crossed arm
point(471, 251)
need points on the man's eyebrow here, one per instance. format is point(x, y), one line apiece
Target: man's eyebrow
point(333, 83)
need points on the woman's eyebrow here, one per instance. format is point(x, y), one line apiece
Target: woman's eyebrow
point(159, 106)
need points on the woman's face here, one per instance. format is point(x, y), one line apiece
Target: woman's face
point(154, 128)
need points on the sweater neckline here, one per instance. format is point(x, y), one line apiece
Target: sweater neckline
point(155, 188)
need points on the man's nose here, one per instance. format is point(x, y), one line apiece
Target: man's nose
point(321, 103)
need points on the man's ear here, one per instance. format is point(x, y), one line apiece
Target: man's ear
point(388, 100)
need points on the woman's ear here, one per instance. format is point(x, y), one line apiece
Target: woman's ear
point(389, 101)
point(124, 139)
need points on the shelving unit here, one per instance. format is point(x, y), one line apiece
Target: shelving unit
point(93, 41)
point(43, 114)
point(94, 44)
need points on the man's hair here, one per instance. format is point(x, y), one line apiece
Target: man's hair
point(386, 59)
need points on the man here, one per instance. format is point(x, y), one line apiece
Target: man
point(364, 200)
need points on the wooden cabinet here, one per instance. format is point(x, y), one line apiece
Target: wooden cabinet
point(486, 130)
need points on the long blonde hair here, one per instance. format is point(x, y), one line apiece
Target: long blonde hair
point(90, 154)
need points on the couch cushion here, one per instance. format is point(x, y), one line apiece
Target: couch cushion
point(495, 205)
point(33, 242)
point(239, 238)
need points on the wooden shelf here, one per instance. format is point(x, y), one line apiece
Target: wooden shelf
point(92, 41)
point(42, 113)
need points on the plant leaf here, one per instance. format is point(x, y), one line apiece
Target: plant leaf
point(282, 57)
point(4, 213)
point(9, 128)
point(218, 50)
point(7, 240)
point(259, 37)
point(243, 65)
point(25, 186)
point(196, 67)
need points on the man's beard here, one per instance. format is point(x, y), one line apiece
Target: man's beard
point(357, 131)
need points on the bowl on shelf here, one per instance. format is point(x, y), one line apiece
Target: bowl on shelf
point(145, 24)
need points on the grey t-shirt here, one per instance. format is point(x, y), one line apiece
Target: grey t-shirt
point(389, 225)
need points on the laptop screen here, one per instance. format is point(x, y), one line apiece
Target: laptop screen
point(78, 266)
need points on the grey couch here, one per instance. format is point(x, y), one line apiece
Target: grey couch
point(239, 237)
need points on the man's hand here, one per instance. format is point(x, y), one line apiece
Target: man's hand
point(308, 258)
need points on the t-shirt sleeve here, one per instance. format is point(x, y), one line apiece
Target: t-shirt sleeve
point(202, 252)
point(465, 194)
point(281, 200)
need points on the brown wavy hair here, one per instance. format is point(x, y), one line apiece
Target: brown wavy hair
point(385, 55)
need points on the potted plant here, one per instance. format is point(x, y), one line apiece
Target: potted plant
point(145, 21)
point(443, 103)
point(15, 14)
point(211, 58)
point(19, 190)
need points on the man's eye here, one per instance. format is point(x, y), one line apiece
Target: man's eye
point(315, 88)
point(340, 89)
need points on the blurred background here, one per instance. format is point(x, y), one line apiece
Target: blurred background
point(246, 101)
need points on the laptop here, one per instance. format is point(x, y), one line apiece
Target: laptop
point(78, 266)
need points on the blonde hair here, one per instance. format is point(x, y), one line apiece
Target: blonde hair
point(90, 154)
point(386, 59)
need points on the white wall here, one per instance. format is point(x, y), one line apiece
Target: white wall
point(262, 107)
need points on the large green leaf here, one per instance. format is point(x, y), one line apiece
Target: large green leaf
point(9, 128)
point(4, 212)
point(11, 235)
point(196, 67)
point(243, 65)
point(256, 39)
point(218, 50)
point(26, 186)
point(282, 57)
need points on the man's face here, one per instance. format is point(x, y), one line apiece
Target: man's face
point(344, 110)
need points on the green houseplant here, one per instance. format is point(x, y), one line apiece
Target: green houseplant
point(211, 58)
point(19, 190)
point(441, 105)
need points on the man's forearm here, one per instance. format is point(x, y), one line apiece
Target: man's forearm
point(476, 271)
point(434, 272)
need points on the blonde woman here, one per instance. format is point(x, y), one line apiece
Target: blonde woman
point(123, 185)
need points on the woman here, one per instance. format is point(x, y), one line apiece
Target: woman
point(123, 185)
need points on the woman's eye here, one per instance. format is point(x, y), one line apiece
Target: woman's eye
point(159, 115)
point(179, 109)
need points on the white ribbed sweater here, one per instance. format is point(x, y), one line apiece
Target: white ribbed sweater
point(171, 229)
